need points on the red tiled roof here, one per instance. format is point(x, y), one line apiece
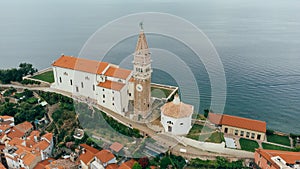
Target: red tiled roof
point(89, 148)
point(289, 157)
point(117, 72)
point(112, 166)
point(240, 122)
point(15, 132)
point(42, 145)
point(29, 158)
point(2, 166)
point(128, 164)
point(48, 136)
point(105, 156)
point(131, 79)
point(111, 85)
point(116, 147)
point(15, 141)
point(86, 157)
point(42, 164)
point(80, 64)
point(24, 127)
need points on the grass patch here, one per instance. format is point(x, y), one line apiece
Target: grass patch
point(160, 92)
point(274, 147)
point(248, 145)
point(284, 140)
point(46, 76)
point(196, 129)
point(216, 137)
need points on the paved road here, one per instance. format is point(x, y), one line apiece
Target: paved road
point(163, 139)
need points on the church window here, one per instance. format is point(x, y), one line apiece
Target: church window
point(113, 104)
point(71, 82)
point(93, 87)
point(103, 95)
point(66, 73)
point(87, 78)
point(77, 90)
point(129, 94)
point(113, 98)
point(103, 101)
point(60, 79)
point(181, 124)
point(81, 84)
point(102, 89)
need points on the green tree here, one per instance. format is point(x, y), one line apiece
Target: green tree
point(136, 165)
point(206, 111)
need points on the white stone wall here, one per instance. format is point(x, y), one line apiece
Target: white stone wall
point(180, 126)
point(85, 84)
point(76, 82)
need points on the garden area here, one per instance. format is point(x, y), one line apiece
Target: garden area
point(160, 91)
point(220, 162)
point(248, 145)
point(205, 133)
point(46, 77)
point(283, 140)
point(275, 147)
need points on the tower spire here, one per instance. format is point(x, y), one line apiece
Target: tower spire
point(142, 45)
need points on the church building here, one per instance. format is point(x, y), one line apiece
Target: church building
point(107, 84)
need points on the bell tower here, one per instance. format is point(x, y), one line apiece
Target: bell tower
point(142, 76)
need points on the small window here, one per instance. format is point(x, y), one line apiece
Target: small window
point(247, 134)
point(129, 94)
point(252, 135)
point(236, 132)
point(242, 133)
point(71, 82)
point(113, 98)
point(181, 124)
point(104, 96)
point(258, 137)
point(226, 130)
point(93, 87)
point(113, 92)
point(103, 101)
point(81, 84)
point(66, 73)
point(60, 80)
point(113, 104)
point(102, 89)
point(77, 90)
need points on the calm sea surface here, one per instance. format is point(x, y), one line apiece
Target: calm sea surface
point(258, 42)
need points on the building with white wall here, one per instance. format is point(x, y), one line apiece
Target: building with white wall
point(103, 82)
point(176, 117)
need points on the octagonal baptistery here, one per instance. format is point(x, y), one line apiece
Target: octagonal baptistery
point(176, 117)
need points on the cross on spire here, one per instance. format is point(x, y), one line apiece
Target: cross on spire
point(141, 25)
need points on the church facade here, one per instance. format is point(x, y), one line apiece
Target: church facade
point(109, 85)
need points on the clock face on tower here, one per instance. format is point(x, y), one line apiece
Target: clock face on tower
point(139, 87)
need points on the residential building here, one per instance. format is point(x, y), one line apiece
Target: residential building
point(274, 159)
point(26, 153)
point(239, 126)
